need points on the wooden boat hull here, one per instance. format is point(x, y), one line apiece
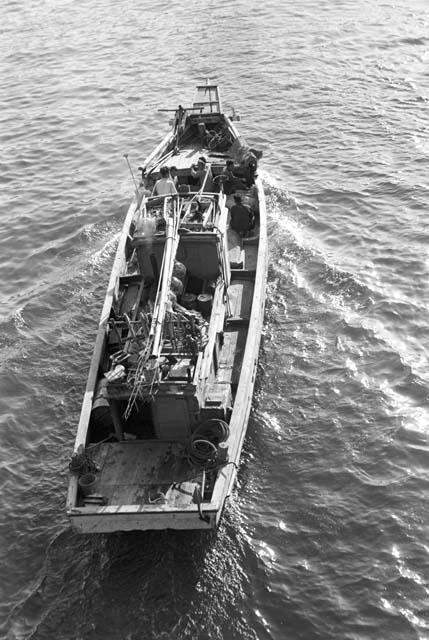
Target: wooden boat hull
point(129, 518)
point(148, 483)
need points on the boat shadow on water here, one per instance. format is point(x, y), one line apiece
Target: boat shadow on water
point(137, 584)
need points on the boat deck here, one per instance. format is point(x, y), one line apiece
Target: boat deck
point(185, 156)
point(145, 472)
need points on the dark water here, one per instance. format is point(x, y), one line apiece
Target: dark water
point(326, 536)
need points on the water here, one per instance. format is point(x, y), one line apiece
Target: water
point(326, 535)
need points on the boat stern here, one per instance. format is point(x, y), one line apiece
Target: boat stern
point(108, 519)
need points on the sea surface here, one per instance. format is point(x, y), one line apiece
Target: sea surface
point(326, 536)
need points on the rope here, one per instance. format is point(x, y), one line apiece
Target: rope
point(81, 463)
point(202, 451)
point(203, 446)
point(214, 430)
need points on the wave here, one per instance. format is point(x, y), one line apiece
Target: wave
point(367, 314)
point(63, 279)
point(98, 259)
point(305, 249)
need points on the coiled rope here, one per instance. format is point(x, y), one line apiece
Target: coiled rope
point(81, 463)
point(204, 442)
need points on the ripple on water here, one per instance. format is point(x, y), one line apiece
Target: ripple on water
point(325, 536)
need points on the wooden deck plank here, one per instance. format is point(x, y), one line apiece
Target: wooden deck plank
point(185, 158)
point(250, 256)
point(240, 294)
point(239, 354)
point(145, 472)
point(129, 299)
point(231, 355)
point(226, 354)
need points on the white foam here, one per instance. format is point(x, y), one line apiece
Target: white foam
point(97, 258)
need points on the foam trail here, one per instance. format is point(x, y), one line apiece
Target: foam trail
point(312, 270)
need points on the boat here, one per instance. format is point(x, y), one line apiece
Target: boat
point(171, 379)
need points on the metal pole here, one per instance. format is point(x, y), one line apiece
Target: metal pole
point(132, 175)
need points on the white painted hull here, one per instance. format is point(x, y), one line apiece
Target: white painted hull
point(134, 520)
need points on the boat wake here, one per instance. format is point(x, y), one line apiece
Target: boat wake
point(352, 316)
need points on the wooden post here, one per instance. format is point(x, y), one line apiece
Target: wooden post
point(116, 418)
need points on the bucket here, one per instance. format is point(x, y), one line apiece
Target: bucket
point(87, 483)
point(189, 300)
point(204, 303)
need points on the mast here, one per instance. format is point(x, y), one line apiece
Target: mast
point(170, 250)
